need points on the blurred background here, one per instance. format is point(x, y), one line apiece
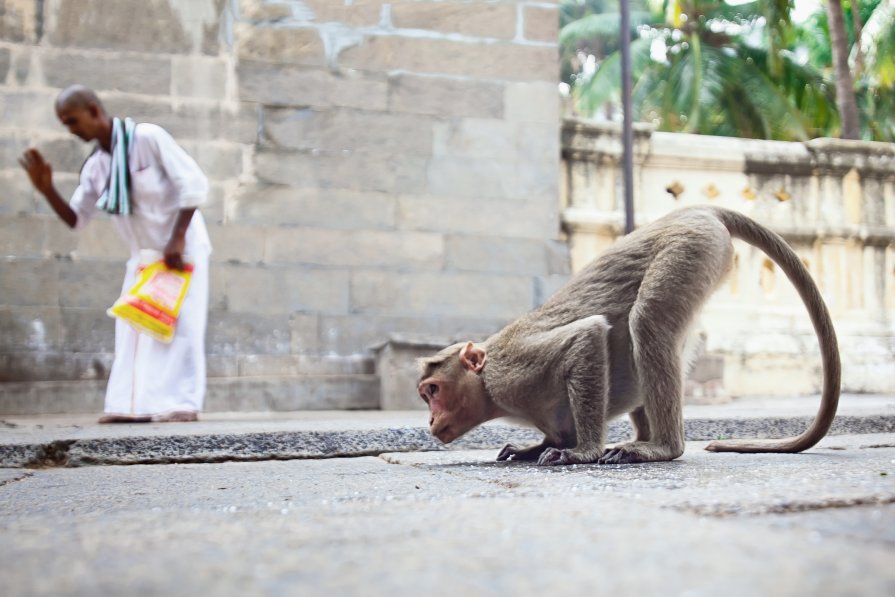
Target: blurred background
point(391, 176)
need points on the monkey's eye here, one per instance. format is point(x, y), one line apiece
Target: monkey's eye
point(433, 389)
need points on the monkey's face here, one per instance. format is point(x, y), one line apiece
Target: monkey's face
point(438, 395)
point(453, 389)
point(456, 403)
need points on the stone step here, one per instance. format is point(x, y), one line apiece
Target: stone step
point(224, 394)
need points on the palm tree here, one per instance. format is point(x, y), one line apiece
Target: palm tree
point(845, 87)
point(872, 61)
point(699, 66)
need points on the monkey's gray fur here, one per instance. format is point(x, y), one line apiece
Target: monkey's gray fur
point(610, 342)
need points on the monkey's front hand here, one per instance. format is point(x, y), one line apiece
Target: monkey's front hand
point(511, 452)
point(554, 456)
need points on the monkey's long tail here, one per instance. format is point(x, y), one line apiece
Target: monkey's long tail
point(776, 248)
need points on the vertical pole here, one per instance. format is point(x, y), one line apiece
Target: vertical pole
point(627, 123)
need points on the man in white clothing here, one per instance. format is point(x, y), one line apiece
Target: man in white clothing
point(152, 189)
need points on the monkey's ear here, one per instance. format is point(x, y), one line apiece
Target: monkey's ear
point(473, 357)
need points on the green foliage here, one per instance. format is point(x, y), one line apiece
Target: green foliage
point(811, 96)
point(591, 27)
point(709, 67)
point(604, 26)
point(814, 34)
point(874, 75)
point(878, 46)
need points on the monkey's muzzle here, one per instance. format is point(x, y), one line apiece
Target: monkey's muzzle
point(443, 433)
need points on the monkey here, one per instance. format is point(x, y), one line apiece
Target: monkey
point(610, 342)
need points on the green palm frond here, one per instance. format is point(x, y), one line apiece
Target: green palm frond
point(570, 10)
point(776, 117)
point(605, 84)
point(878, 45)
point(649, 90)
point(878, 106)
point(806, 87)
point(719, 93)
point(605, 26)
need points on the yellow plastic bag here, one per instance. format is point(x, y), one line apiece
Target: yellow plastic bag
point(152, 305)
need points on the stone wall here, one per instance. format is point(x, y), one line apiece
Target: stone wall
point(377, 167)
point(832, 200)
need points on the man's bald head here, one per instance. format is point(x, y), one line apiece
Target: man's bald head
point(78, 96)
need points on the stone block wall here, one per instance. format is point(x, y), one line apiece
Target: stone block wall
point(832, 200)
point(377, 167)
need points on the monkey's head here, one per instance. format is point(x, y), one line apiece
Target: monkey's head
point(451, 385)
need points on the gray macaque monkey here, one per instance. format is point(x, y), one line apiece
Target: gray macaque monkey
point(611, 342)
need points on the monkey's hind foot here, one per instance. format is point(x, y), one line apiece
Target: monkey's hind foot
point(634, 452)
point(555, 456)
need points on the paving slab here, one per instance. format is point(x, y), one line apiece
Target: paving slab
point(458, 523)
point(35, 441)
point(840, 471)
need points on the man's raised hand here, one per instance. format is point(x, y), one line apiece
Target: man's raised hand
point(39, 170)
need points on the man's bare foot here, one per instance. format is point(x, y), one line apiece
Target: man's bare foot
point(110, 419)
point(177, 416)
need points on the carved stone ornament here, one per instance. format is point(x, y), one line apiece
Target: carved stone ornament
point(711, 191)
point(675, 188)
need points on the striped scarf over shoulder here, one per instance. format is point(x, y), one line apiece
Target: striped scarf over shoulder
point(116, 198)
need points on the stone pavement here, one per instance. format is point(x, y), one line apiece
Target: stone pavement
point(408, 521)
point(457, 523)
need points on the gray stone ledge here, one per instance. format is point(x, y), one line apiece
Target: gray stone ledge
point(175, 446)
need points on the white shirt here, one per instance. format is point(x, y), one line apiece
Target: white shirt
point(164, 180)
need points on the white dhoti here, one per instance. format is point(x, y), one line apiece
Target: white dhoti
point(149, 377)
point(153, 378)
